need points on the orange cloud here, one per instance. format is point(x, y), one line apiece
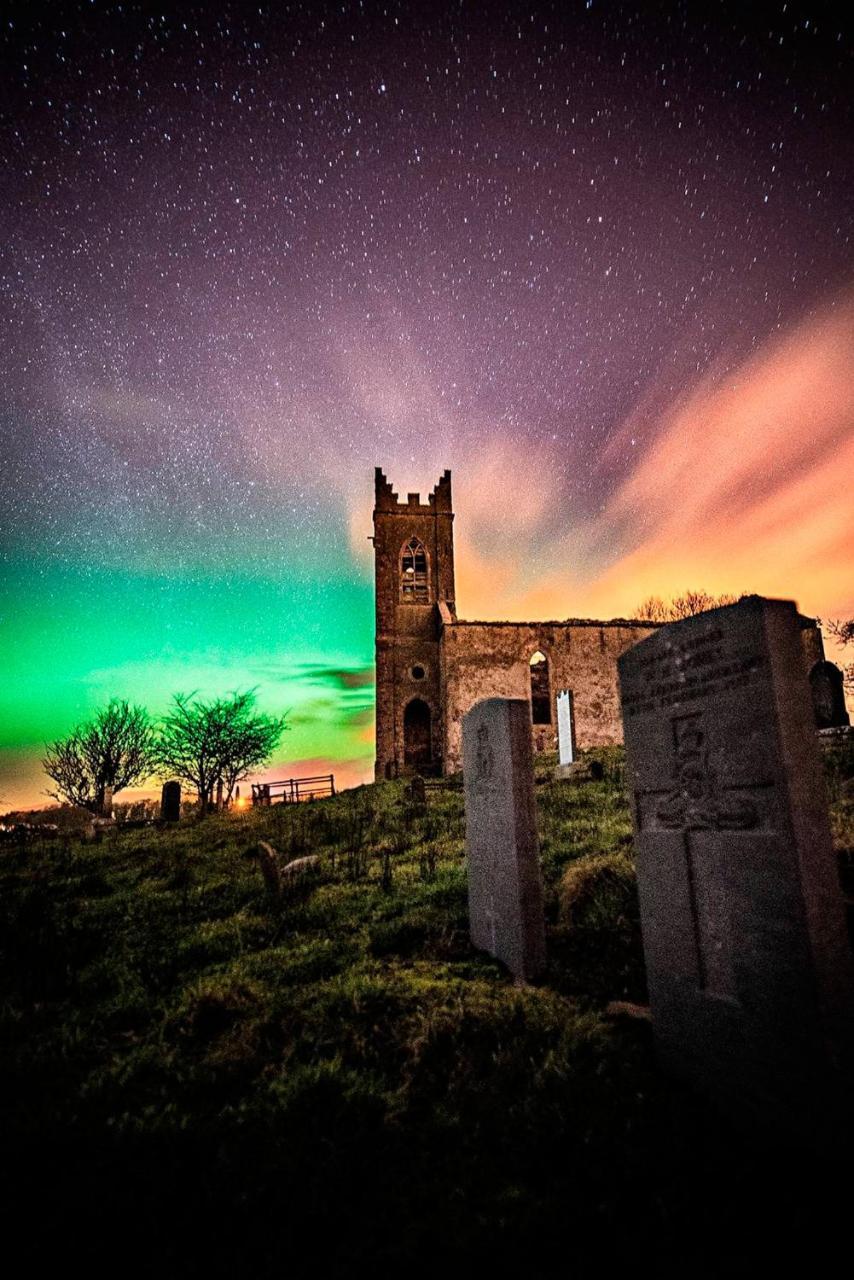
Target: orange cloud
point(744, 485)
point(742, 482)
point(747, 485)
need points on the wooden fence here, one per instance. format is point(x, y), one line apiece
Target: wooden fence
point(293, 790)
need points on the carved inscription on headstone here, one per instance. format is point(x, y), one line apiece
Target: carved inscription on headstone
point(695, 803)
point(505, 888)
point(748, 966)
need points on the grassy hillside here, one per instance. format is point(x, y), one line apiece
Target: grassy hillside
point(222, 1078)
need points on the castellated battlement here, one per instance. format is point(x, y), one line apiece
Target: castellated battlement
point(387, 501)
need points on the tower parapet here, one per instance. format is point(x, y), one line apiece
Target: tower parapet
point(385, 498)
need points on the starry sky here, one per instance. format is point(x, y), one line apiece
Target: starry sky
point(594, 257)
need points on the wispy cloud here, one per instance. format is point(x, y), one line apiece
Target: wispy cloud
point(744, 482)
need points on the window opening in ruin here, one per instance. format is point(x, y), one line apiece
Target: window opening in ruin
point(541, 703)
point(414, 587)
point(418, 673)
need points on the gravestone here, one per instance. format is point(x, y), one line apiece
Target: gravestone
point(170, 802)
point(565, 729)
point(748, 965)
point(827, 684)
point(505, 887)
point(268, 860)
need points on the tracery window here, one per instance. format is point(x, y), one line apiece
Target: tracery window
point(414, 583)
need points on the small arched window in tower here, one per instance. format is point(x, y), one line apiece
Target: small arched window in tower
point(414, 585)
point(541, 702)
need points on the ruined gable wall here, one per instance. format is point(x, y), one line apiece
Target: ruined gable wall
point(488, 660)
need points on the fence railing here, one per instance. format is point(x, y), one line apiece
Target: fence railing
point(293, 790)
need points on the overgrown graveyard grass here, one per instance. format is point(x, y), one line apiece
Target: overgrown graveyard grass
point(226, 1076)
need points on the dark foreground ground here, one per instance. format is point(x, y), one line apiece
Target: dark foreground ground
point(202, 1080)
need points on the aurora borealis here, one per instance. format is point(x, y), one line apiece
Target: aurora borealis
point(595, 258)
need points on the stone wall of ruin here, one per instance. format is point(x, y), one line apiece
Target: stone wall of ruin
point(492, 660)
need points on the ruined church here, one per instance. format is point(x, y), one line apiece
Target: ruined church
point(432, 666)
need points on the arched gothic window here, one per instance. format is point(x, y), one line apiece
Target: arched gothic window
point(414, 583)
point(541, 701)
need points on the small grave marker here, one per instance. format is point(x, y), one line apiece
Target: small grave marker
point(565, 729)
point(170, 802)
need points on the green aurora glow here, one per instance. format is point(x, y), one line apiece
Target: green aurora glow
point(83, 637)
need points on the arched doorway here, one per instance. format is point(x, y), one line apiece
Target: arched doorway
point(417, 737)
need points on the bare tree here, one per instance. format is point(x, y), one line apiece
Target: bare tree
point(656, 609)
point(111, 752)
point(693, 602)
point(218, 742)
point(653, 609)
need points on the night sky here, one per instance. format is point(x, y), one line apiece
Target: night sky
point(595, 257)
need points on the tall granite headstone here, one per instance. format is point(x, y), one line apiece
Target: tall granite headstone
point(565, 729)
point(170, 802)
point(748, 964)
point(505, 885)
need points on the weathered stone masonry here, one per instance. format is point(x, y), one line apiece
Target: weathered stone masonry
point(408, 626)
point(492, 660)
point(432, 668)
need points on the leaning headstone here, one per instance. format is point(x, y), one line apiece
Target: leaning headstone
point(505, 887)
point(827, 684)
point(748, 966)
point(170, 802)
point(565, 729)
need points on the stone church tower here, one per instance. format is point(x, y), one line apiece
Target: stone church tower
point(414, 567)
